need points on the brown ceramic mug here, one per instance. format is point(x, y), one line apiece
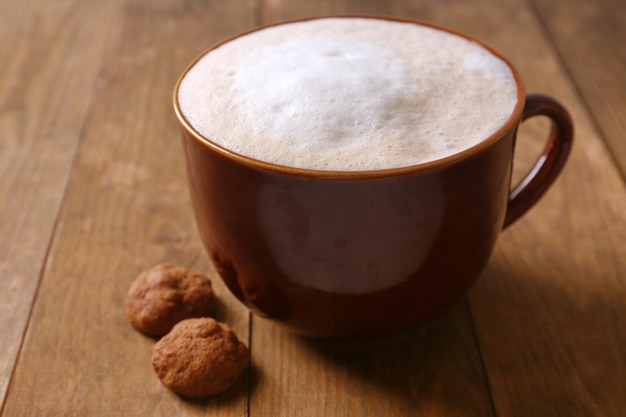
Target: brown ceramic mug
point(428, 230)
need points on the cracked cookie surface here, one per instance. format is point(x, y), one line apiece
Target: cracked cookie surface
point(200, 357)
point(164, 295)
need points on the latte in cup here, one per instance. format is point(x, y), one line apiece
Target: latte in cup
point(348, 94)
point(350, 175)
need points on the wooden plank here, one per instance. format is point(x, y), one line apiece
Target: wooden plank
point(126, 208)
point(589, 37)
point(275, 11)
point(50, 54)
point(549, 310)
point(435, 371)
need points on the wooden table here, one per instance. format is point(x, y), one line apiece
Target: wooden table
point(92, 191)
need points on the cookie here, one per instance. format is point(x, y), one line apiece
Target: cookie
point(165, 294)
point(199, 357)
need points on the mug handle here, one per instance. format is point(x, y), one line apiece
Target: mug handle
point(525, 194)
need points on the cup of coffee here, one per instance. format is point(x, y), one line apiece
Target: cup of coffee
point(350, 175)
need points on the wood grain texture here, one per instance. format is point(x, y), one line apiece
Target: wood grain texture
point(549, 310)
point(589, 37)
point(87, 128)
point(50, 56)
point(435, 371)
point(126, 208)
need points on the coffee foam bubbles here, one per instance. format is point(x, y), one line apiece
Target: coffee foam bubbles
point(348, 94)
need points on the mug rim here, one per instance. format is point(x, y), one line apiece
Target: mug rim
point(510, 124)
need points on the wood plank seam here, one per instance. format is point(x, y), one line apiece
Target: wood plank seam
point(579, 92)
point(93, 98)
point(479, 350)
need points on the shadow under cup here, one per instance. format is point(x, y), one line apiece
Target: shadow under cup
point(353, 255)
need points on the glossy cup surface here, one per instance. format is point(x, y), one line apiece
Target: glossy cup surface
point(351, 254)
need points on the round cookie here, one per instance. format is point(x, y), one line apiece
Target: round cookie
point(165, 294)
point(199, 357)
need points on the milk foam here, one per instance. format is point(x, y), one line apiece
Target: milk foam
point(348, 94)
